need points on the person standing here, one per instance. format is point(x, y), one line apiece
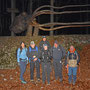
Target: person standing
point(72, 61)
point(58, 52)
point(45, 62)
point(22, 60)
point(44, 41)
point(33, 55)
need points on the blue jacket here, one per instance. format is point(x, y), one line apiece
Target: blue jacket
point(22, 54)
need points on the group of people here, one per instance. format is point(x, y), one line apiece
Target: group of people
point(44, 54)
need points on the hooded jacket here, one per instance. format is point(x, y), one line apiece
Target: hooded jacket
point(58, 53)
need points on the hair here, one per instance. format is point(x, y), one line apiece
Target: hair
point(21, 46)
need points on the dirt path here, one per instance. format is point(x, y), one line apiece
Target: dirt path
point(9, 79)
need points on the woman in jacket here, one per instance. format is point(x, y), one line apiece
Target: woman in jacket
point(22, 60)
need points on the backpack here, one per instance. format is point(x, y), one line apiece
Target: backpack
point(36, 49)
point(46, 56)
point(30, 50)
point(74, 52)
point(72, 62)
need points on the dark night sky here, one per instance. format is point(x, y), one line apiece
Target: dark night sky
point(23, 5)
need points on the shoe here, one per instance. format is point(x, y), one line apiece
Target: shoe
point(61, 80)
point(32, 80)
point(38, 80)
point(73, 83)
point(55, 80)
point(24, 82)
point(48, 83)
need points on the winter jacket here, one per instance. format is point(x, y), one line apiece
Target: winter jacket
point(58, 53)
point(22, 54)
point(45, 56)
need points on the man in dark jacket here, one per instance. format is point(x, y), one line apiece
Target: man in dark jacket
point(58, 52)
point(33, 55)
point(44, 41)
point(45, 62)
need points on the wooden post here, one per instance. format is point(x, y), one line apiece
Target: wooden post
point(87, 32)
point(12, 10)
point(12, 14)
point(30, 6)
point(52, 17)
point(36, 28)
point(30, 28)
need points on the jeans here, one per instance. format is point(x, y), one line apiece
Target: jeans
point(32, 66)
point(46, 69)
point(22, 69)
point(58, 70)
point(72, 71)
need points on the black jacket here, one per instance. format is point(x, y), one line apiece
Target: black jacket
point(32, 53)
point(58, 53)
point(45, 56)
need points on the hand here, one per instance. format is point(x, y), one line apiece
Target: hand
point(66, 66)
point(60, 61)
point(34, 56)
point(35, 59)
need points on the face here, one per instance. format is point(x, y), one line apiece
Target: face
point(45, 47)
point(32, 45)
point(22, 45)
point(24, 14)
point(71, 48)
point(55, 45)
point(44, 39)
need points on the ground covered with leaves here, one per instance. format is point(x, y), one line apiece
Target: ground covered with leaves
point(9, 78)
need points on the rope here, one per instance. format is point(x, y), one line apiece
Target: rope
point(61, 27)
point(60, 13)
point(67, 6)
point(39, 12)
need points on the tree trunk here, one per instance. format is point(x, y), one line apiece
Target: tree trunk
point(29, 30)
point(12, 14)
point(36, 30)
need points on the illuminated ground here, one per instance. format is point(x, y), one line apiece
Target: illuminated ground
point(9, 79)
